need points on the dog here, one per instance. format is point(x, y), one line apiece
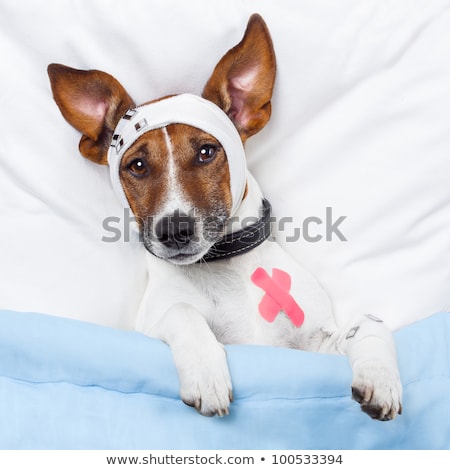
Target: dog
point(214, 278)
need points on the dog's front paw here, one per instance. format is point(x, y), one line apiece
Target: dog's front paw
point(378, 390)
point(205, 383)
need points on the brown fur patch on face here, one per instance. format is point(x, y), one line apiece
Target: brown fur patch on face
point(145, 192)
point(203, 182)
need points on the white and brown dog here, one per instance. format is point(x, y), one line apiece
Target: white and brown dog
point(178, 163)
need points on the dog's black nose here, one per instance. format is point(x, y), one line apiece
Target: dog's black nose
point(175, 230)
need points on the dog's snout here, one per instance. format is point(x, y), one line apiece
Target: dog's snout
point(175, 230)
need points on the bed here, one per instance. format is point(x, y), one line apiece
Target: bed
point(360, 132)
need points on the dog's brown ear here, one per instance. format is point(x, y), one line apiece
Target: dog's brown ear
point(243, 80)
point(91, 101)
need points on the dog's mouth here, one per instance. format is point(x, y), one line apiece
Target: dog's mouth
point(181, 256)
point(185, 259)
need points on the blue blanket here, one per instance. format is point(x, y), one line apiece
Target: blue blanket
point(71, 385)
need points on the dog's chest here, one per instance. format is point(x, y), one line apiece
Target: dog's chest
point(232, 306)
point(227, 301)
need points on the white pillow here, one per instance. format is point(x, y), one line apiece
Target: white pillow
point(360, 124)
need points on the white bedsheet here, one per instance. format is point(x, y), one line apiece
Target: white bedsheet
point(361, 125)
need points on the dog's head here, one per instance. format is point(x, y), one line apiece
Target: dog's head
point(179, 178)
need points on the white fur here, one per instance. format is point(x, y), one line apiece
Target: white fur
point(175, 198)
point(197, 308)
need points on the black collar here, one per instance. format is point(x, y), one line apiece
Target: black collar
point(238, 243)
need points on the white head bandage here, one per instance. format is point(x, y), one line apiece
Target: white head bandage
point(181, 109)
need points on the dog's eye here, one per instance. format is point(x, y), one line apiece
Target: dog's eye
point(138, 167)
point(206, 153)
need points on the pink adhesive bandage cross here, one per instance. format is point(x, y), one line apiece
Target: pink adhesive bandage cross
point(277, 296)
